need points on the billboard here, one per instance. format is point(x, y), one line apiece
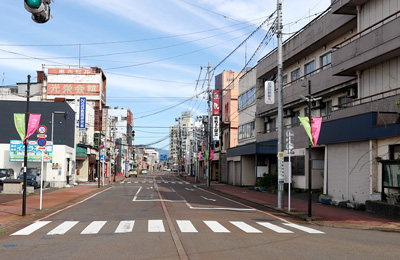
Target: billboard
point(17, 151)
point(216, 101)
point(215, 132)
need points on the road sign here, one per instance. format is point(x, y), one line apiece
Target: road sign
point(102, 158)
point(42, 129)
point(41, 142)
point(41, 136)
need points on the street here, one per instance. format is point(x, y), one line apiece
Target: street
point(159, 216)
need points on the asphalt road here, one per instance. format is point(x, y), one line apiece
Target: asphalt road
point(162, 217)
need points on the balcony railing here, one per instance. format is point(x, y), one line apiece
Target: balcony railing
point(367, 30)
point(368, 99)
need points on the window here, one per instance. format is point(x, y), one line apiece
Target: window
point(298, 165)
point(344, 99)
point(247, 98)
point(246, 131)
point(308, 68)
point(325, 60)
point(284, 79)
point(295, 74)
point(326, 108)
point(295, 119)
point(272, 125)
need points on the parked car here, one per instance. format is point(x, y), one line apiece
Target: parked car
point(32, 176)
point(133, 172)
point(6, 174)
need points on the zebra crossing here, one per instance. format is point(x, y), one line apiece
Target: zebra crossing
point(157, 226)
point(158, 182)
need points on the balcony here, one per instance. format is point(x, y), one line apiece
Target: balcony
point(374, 45)
point(322, 82)
point(347, 6)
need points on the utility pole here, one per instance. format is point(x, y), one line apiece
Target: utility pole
point(28, 89)
point(280, 109)
point(309, 152)
point(209, 130)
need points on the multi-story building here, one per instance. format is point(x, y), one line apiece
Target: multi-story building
point(180, 138)
point(228, 84)
point(347, 61)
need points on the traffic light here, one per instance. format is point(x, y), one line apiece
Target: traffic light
point(40, 10)
point(133, 135)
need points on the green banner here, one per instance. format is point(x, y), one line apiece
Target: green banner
point(207, 154)
point(19, 121)
point(306, 124)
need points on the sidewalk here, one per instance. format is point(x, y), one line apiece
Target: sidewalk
point(326, 215)
point(11, 206)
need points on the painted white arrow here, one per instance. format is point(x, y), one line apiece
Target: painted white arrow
point(207, 198)
point(189, 189)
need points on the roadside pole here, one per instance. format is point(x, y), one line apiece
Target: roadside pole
point(41, 182)
point(26, 145)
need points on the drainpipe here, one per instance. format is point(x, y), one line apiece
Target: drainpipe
point(358, 7)
point(358, 83)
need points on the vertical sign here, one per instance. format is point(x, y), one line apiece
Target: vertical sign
point(216, 101)
point(82, 114)
point(215, 133)
point(269, 87)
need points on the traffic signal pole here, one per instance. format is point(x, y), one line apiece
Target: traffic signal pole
point(26, 145)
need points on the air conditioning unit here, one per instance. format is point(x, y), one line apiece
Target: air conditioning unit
point(317, 104)
point(288, 113)
point(351, 93)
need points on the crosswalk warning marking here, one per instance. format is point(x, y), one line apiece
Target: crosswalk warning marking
point(275, 228)
point(216, 227)
point(125, 226)
point(245, 227)
point(186, 226)
point(305, 229)
point(94, 227)
point(31, 228)
point(156, 226)
point(63, 228)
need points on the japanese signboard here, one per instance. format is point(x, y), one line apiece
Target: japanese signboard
point(82, 114)
point(70, 71)
point(215, 132)
point(73, 89)
point(17, 151)
point(216, 101)
point(269, 92)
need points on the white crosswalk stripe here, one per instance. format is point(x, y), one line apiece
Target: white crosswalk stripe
point(216, 227)
point(31, 228)
point(186, 226)
point(245, 227)
point(157, 226)
point(93, 227)
point(305, 229)
point(63, 228)
point(275, 228)
point(125, 226)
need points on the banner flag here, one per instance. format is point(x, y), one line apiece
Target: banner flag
point(211, 155)
point(207, 154)
point(19, 121)
point(199, 156)
point(316, 128)
point(306, 124)
point(33, 124)
point(116, 156)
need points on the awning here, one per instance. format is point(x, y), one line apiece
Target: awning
point(81, 153)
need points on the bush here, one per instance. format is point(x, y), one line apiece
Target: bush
point(269, 181)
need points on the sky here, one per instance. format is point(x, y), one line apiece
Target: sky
point(154, 53)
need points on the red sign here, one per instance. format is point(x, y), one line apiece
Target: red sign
point(216, 101)
point(72, 89)
point(41, 142)
point(71, 71)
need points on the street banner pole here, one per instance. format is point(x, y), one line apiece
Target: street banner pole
point(41, 182)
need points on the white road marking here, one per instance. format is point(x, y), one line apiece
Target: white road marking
point(208, 198)
point(156, 226)
point(305, 229)
point(186, 226)
point(134, 198)
point(216, 227)
point(129, 182)
point(245, 227)
point(181, 201)
point(125, 226)
point(94, 227)
point(63, 228)
point(275, 228)
point(136, 182)
point(189, 189)
point(232, 209)
point(31, 228)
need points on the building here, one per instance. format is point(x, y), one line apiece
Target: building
point(347, 59)
point(227, 83)
point(58, 118)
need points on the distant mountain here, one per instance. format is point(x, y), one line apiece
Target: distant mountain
point(162, 152)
